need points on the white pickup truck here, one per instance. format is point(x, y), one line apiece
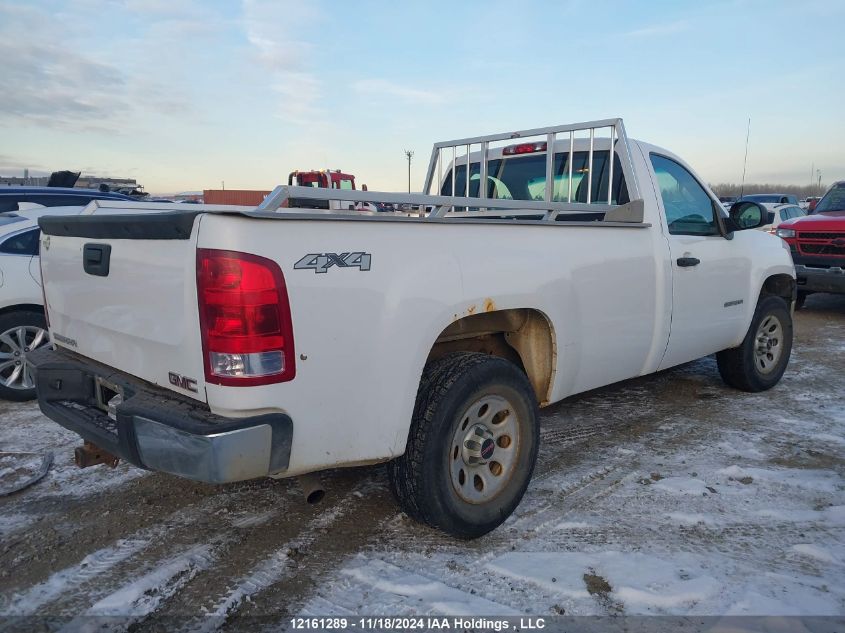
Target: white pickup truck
point(226, 345)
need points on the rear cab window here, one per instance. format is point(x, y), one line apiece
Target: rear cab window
point(523, 177)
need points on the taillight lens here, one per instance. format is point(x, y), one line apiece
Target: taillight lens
point(247, 333)
point(524, 148)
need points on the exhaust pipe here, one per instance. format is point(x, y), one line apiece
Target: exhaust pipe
point(312, 488)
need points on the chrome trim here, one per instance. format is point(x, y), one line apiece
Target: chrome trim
point(219, 458)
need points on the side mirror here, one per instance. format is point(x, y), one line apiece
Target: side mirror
point(363, 187)
point(749, 215)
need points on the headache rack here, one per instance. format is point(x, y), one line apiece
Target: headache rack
point(461, 206)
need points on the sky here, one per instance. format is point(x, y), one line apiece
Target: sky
point(189, 94)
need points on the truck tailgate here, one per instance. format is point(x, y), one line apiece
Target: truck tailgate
point(124, 293)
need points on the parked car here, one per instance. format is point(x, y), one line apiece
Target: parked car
point(817, 244)
point(772, 198)
point(781, 213)
point(22, 323)
point(15, 198)
point(727, 201)
point(224, 346)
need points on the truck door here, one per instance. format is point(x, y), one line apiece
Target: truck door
point(710, 274)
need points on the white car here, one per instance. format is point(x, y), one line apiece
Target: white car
point(782, 213)
point(227, 345)
point(22, 324)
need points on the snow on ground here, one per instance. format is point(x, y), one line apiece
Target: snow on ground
point(670, 494)
point(732, 504)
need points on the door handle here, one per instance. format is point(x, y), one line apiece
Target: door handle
point(685, 262)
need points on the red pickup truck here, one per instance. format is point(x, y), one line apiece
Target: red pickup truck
point(817, 243)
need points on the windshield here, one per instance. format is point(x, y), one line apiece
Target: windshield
point(834, 200)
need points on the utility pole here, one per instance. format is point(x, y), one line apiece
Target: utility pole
point(410, 154)
point(819, 174)
point(223, 185)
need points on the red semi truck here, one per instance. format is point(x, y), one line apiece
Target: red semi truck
point(323, 178)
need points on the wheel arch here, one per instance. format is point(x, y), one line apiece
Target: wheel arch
point(22, 307)
point(524, 336)
point(779, 285)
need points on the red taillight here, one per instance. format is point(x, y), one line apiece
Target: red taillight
point(247, 335)
point(524, 148)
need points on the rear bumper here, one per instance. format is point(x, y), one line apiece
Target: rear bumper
point(156, 429)
point(817, 279)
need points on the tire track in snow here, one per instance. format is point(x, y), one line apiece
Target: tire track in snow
point(57, 585)
point(272, 569)
point(411, 591)
point(137, 599)
point(73, 583)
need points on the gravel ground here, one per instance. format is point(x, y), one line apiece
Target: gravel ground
point(670, 494)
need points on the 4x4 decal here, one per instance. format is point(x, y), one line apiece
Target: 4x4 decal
point(321, 262)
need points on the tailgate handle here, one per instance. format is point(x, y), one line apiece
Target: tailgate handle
point(95, 259)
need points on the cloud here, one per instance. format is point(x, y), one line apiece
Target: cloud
point(385, 88)
point(53, 81)
point(273, 28)
point(14, 167)
point(660, 29)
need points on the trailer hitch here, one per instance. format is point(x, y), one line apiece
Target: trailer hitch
point(89, 454)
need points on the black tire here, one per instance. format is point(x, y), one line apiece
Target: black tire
point(740, 367)
point(10, 322)
point(422, 478)
point(800, 299)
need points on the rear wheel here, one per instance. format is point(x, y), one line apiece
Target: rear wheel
point(21, 332)
point(759, 362)
point(472, 445)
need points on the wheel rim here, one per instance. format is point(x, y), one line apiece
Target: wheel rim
point(15, 344)
point(484, 449)
point(768, 344)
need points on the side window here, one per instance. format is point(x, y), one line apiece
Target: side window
point(689, 210)
point(25, 243)
point(8, 204)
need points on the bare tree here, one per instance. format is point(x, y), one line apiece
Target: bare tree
point(801, 191)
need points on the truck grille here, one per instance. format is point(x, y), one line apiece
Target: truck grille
point(822, 249)
point(822, 244)
point(820, 236)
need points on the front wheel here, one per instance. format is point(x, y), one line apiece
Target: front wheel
point(760, 360)
point(472, 445)
point(21, 332)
